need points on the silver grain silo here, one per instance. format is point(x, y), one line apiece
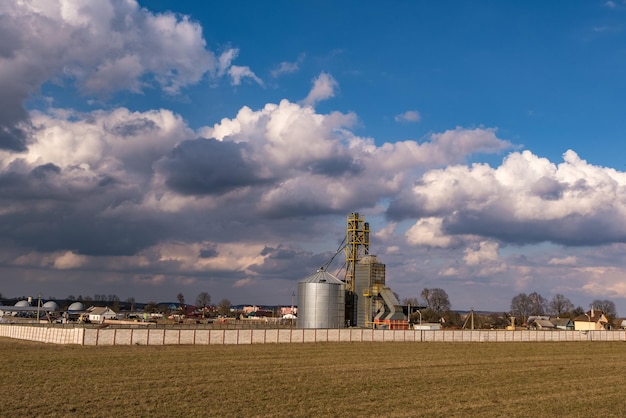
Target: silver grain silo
point(321, 301)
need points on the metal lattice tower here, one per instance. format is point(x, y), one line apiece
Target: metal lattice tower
point(357, 245)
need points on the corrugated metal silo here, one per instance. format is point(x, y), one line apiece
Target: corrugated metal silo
point(321, 301)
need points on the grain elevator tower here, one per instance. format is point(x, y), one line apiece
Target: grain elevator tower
point(368, 300)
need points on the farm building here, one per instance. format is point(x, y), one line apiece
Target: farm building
point(99, 314)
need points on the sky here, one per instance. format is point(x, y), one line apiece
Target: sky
point(162, 147)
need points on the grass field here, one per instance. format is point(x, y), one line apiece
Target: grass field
point(325, 379)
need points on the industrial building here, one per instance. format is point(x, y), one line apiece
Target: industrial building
point(361, 300)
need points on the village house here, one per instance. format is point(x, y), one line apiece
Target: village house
point(565, 324)
point(542, 325)
point(99, 314)
point(591, 321)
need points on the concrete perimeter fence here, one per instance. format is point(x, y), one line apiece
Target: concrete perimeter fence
point(163, 336)
point(43, 334)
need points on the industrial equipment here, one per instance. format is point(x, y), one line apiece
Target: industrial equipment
point(321, 301)
point(362, 299)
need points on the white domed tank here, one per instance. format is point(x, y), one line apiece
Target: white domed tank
point(22, 304)
point(50, 306)
point(76, 306)
point(321, 301)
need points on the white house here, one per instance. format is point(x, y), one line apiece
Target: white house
point(100, 314)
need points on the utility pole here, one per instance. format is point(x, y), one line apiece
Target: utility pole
point(38, 305)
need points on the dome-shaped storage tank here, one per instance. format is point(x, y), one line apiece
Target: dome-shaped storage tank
point(22, 304)
point(76, 306)
point(321, 301)
point(50, 306)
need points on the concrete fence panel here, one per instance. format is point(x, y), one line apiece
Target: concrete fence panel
point(156, 336)
point(123, 336)
point(231, 336)
point(332, 335)
point(202, 337)
point(310, 335)
point(366, 335)
point(284, 335)
point(297, 335)
point(139, 336)
point(223, 337)
point(271, 336)
point(187, 336)
point(105, 336)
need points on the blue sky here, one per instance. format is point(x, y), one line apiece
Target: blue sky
point(540, 72)
point(163, 147)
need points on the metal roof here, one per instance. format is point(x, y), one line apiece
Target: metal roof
point(76, 306)
point(321, 276)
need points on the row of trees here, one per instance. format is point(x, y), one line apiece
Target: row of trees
point(523, 306)
point(203, 302)
point(435, 307)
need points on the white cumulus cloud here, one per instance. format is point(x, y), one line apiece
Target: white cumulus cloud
point(526, 199)
point(428, 232)
point(487, 252)
point(408, 116)
point(237, 73)
point(324, 87)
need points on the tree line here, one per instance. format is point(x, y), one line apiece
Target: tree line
point(203, 303)
point(533, 304)
point(434, 306)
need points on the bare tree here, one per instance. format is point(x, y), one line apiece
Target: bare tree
point(606, 306)
point(181, 299)
point(560, 305)
point(410, 301)
point(224, 307)
point(538, 304)
point(203, 300)
point(151, 307)
point(521, 306)
point(131, 301)
point(437, 300)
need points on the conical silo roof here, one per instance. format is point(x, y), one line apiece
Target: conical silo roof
point(321, 276)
